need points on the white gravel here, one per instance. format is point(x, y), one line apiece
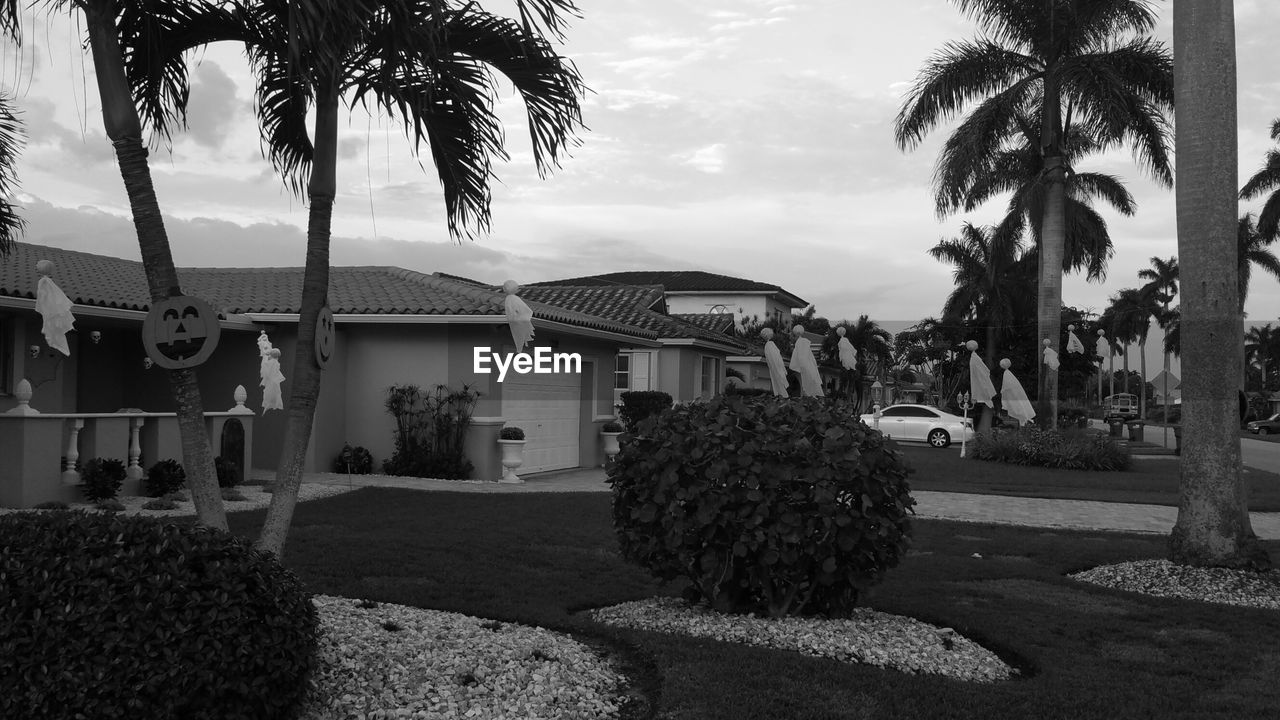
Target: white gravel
point(393, 661)
point(871, 637)
point(1162, 578)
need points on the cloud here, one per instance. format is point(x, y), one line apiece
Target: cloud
point(213, 108)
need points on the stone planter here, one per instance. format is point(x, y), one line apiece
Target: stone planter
point(610, 444)
point(512, 458)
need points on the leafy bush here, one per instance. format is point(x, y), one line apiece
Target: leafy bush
point(613, 426)
point(179, 496)
point(160, 504)
point(1068, 449)
point(101, 479)
point(233, 495)
point(355, 460)
point(1071, 417)
point(640, 404)
point(110, 505)
point(511, 432)
point(771, 505)
point(166, 476)
point(52, 505)
point(190, 622)
point(732, 389)
point(430, 430)
point(228, 473)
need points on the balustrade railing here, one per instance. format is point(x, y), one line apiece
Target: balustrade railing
point(41, 452)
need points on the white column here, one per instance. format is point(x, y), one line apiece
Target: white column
point(69, 474)
point(134, 471)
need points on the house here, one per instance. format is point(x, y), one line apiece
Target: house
point(392, 326)
point(694, 292)
point(690, 360)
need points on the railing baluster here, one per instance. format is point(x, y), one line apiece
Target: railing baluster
point(70, 476)
point(135, 448)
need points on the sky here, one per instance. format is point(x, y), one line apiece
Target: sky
point(752, 138)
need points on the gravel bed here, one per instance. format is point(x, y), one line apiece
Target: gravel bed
point(393, 661)
point(1162, 578)
point(871, 637)
point(255, 498)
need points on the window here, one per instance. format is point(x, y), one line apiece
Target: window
point(622, 372)
point(709, 378)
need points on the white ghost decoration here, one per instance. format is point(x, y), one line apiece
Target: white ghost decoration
point(55, 308)
point(519, 315)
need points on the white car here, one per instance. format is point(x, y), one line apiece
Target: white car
point(922, 423)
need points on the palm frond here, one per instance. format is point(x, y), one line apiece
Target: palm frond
point(12, 137)
point(960, 73)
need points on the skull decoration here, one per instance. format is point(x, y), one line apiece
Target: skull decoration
point(35, 351)
point(147, 363)
point(95, 336)
point(180, 332)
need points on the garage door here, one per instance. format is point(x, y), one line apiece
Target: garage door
point(548, 408)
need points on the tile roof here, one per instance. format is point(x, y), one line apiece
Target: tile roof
point(714, 322)
point(624, 304)
point(675, 281)
point(103, 281)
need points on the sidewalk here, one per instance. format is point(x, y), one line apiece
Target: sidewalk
point(967, 507)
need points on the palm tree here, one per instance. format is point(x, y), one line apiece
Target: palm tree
point(1213, 525)
point(875, 349)
point(1259, 343)
point(427, 63)
point(1253, 249)
point(1267, 181)
point(11, 139)
point(992, 281)
point(1081, 62)
point(1162, 284)
point(1133, 311)
point(118, 33)
point(965, 181)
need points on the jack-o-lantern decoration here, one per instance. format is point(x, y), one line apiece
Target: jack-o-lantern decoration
point(325, 337)
point(180, 332)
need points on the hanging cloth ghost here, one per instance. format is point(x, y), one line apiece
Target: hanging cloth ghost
point(773, 358)
point(1014, 398)
point(1104, 347)
point(1051, 358)
point(847, 353)
point(1073, 343)
point(270, 375)
point(802, 362)
point(55, 308)
point(519, 315)
point(981, 389)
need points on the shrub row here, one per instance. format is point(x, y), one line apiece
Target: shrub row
point(769, 505)
point(1067, 449)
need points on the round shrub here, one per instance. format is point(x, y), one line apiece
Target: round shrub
point(101, 479)
point(355, 460)
point(166, 476)
point(109, 505)
point(511, 432)
point(640, 404)
point(133, 617)
point(612, 426)
point(160, 504)
point(764, 504)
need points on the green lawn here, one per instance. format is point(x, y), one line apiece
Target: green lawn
point(541, 558)
point(1153, 480)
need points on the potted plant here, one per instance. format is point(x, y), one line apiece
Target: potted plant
point(610, 432)
point(511, 440)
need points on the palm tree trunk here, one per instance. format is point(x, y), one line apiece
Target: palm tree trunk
point(1049, 315)
point(315, 293)
point(121, 123)
point(1142, 387)
point(1126, 368)
point(1213, 521)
